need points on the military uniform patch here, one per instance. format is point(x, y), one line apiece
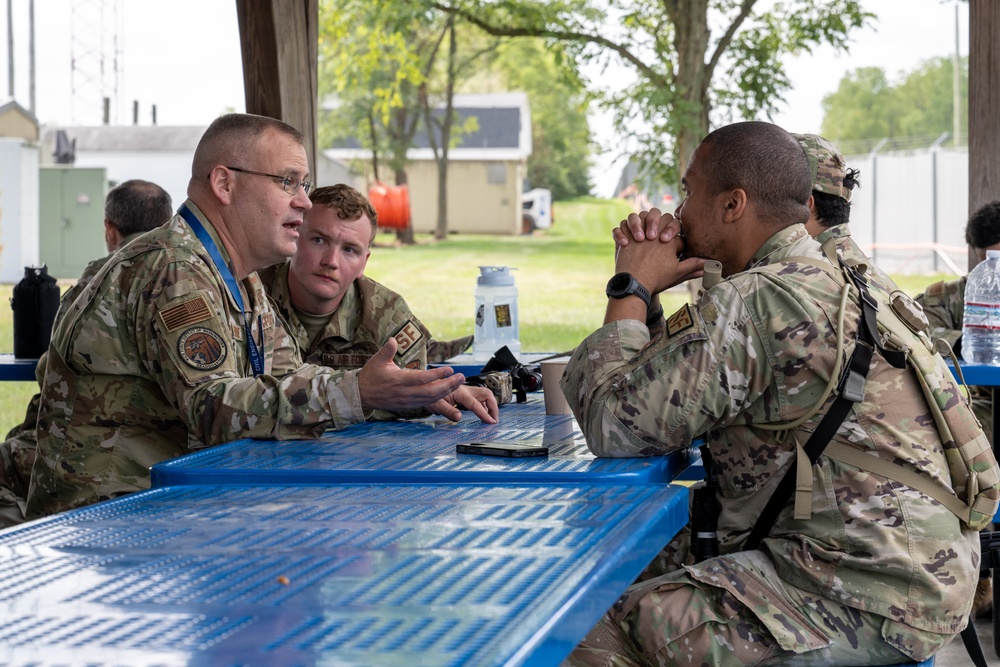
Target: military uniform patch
point(344, 360)
point(202, 348)
point(185, 314)
point(680, 321)
point(406, 337)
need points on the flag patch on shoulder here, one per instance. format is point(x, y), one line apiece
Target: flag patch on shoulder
point(680, 321)
point(185, 314)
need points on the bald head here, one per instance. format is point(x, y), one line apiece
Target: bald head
point(767, 163)
point(229, 139)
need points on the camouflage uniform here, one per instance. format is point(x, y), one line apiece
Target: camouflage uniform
point(880, 573)
point(944, 306)
point(150, 362)
point(828, 170)
point(17, 453)
point(852, 254)
point(368, 315)
point(439, 351)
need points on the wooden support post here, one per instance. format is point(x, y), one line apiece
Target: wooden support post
point(984, 105)
point(279, 40)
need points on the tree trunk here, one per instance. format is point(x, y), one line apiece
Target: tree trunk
point(374, 136)
point(442, 224)
point(691, 35)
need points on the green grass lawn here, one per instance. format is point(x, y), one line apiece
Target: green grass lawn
point(561, 274)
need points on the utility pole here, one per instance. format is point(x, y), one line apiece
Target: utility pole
point(956, 71)
point(31, 57)
point(10, 48)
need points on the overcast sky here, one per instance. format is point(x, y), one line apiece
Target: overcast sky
point(184, 57)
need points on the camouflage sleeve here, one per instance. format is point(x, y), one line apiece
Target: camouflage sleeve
point(287, 356)
point(944, 305)
point(636, 397)
point(439, 351)
point(215, 400)
point(412, 342)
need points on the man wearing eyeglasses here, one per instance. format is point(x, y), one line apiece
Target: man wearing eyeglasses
point(173, 346)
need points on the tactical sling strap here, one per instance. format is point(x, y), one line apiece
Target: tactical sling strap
point(851, 391)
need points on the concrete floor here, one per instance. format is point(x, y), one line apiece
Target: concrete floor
point(955, 655)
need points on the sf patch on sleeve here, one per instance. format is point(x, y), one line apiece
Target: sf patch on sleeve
point(680, 321)
point(407, 336)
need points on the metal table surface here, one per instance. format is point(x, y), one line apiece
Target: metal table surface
point(327, 575)
point(421, 451)
point(13, 369)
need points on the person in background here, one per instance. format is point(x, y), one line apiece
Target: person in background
point(830, 205)
point(859, 568)
point(944, 301)
point(174, 346)
point(944, 306)
point(130, 209)
point(338, 316)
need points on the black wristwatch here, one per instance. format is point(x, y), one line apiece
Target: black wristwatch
point(623, 284)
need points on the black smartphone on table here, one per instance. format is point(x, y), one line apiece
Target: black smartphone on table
point(505, 449)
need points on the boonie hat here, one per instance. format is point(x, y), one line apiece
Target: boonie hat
point(826, 165)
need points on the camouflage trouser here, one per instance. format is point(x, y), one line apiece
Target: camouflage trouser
point(11, 506)
point(17, 455)
point(734, 610)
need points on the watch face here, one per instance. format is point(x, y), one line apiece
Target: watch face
point(619, 282)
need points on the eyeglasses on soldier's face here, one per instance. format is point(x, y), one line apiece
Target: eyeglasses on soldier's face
point(288, 184)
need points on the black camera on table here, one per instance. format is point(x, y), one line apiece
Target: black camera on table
point(524, 378)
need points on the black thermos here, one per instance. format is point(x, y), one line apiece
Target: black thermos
point(35, 302)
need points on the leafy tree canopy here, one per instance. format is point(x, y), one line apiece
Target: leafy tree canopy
point(867, 107)
point(688, 57)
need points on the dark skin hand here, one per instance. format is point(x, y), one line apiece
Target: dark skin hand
point(656, 264)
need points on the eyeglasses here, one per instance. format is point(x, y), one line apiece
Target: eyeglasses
point(288, 184)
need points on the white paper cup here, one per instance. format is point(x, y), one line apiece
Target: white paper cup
point(555, 400)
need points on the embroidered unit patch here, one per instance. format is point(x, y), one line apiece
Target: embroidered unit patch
point(202, 348)
point(680, 321)
point(406, 337)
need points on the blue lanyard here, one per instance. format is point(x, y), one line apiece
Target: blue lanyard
point(254, 353)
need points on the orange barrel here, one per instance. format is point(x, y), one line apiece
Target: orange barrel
point(391, 203)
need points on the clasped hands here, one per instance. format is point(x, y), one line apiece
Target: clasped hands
point(648, 245)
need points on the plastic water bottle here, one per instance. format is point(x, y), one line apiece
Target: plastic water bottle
point(981, 326)
point(496, 313)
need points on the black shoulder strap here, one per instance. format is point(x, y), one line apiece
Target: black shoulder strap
point(851, 390)
point(971, 640)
